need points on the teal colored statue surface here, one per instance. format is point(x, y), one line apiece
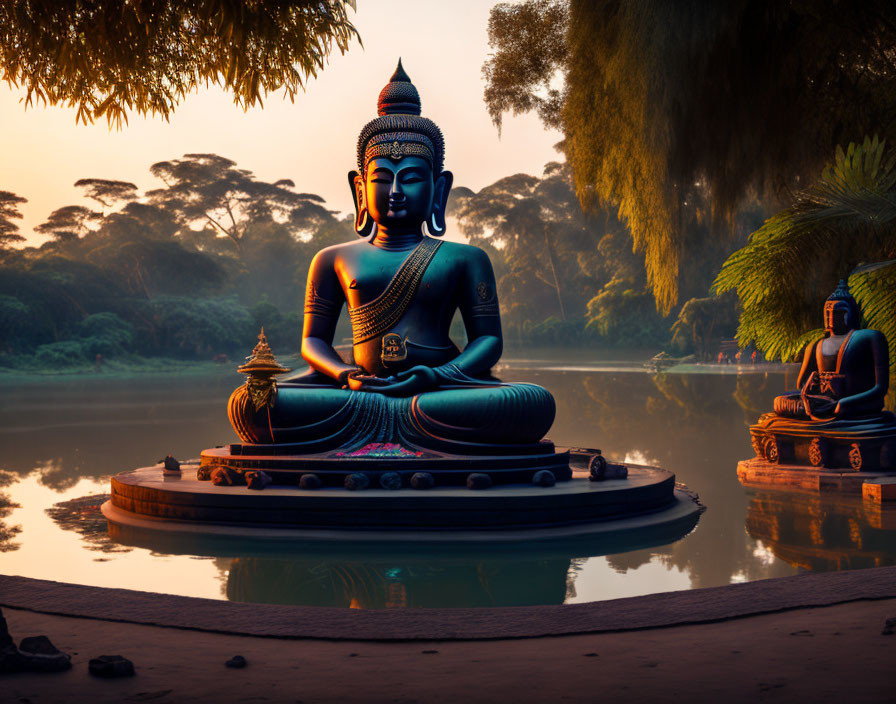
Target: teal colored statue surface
point(407, 388)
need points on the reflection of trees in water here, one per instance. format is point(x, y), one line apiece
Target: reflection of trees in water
point(753, 393)
point(7, 505)
point(823, 533)
point(83, 516)
point(376, 584)
point(72, 430)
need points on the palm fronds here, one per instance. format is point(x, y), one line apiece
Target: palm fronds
point(874, 288)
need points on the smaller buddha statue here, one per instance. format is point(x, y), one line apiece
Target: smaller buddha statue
point(844, 374)
point(835, 418)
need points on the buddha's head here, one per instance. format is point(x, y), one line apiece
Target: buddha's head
point(400, 184)
point(841, 312)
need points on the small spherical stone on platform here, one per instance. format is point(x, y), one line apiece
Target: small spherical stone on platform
point(478, 480)
point(237, 662)
point(309, 481)
point(171, 465)
point(258, 480)
point(544, 477)
point(356, 481)
point(390, 480)
point(423, 480)
point(204, 473)
point(597, 467)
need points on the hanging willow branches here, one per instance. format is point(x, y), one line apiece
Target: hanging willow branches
point(793, 262)
point(106, 58)
point(744, 97)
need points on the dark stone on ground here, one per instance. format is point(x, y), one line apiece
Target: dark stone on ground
point(356, 481)
point(111, 667)
point(429, 652)
point(171, 464)
point(258, 480)
point(423, 480)
point(309, 481)
point(544, 477)
point(42, 656)
point(889, 627)
point(237, 662)
point(590, 655)
point(390, 480)
point(477, 480)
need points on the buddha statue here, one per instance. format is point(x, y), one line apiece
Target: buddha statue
point(836, 417)
point(407, 389)
point(844, 374)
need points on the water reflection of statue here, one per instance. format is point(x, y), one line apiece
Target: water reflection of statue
point(407, 382)
point(836, 418)
point(371, 584)
point(822, 533)
point(845, 373)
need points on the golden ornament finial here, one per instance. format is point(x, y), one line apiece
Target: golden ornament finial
point(261, 367)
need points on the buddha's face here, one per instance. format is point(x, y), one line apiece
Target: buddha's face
point(836, 317)
point(399, 193)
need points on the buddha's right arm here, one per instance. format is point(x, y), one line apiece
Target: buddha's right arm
point(808, 366)
point(323, 302)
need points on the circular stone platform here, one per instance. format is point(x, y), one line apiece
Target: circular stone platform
point(145, 499)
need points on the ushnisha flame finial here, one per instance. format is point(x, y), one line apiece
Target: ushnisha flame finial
point(261, 367)
point(399, 130)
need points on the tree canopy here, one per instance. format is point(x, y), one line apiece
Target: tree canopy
point(743, 97)
point(108, 57)
point(9, 210)
point(840, 227)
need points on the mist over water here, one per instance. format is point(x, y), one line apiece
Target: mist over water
point(61, 439)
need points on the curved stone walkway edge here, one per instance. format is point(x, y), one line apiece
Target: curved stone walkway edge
point(328, 623)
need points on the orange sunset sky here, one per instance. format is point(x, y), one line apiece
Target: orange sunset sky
point(442, 45)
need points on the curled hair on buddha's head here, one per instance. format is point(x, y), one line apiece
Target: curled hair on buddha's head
point(397, 132)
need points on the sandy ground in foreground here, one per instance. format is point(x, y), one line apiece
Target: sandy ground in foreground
point(831, 654)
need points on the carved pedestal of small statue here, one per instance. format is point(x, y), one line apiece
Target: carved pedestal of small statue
point(835, 420)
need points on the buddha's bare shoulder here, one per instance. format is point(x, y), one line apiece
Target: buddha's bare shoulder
point(333, 252)
point(466, 252)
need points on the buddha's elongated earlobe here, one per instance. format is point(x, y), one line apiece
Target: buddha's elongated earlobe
point(363, 221)
point(436, 221)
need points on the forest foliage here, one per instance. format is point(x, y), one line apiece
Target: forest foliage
point(739, 99)
point(191, 269)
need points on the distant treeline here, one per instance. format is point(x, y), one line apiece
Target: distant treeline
point(192, 269)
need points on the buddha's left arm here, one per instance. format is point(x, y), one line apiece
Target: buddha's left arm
point(879, 355)
point(478, 303)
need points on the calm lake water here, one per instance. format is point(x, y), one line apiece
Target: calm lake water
point(61, 439)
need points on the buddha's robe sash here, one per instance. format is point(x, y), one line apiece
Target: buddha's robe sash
point(382, 313)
